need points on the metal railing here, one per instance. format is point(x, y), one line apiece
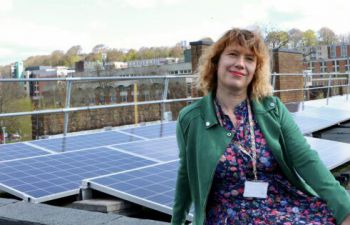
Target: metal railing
point(164, 100)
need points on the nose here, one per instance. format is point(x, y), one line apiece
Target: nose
point(240, 62)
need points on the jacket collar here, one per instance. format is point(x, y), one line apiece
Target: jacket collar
point(208, 108)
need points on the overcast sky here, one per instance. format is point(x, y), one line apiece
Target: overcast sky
point(32, 27)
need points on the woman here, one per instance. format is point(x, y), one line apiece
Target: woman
point(242, 158)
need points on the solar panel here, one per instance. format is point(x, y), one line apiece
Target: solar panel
point(337, 102)
point(153, 131)
point(161, 149)
point(153, 186)
point(72, 143)
point(331, 114)
point(54, 176)
point(332, 153)
point(309, 125)
point(19, 150)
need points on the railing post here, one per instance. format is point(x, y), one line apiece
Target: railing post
point(274, 81)
point(329, 86)
point(348, 88)
point(304, 94)
point(136, 109)
point(4, 135)
point(67, 106)
point(165, 96)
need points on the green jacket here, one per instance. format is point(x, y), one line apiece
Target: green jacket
point(202, 141)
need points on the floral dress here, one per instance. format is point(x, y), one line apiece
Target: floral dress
point(284, 203)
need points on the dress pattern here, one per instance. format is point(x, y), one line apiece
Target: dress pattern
point(284, 204)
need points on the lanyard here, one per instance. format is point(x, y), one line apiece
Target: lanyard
point(252, 140)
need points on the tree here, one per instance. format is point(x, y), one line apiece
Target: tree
point(309, 38)
point(57, 58)
point(176, 51)
point(75, 50)
point(130, 55)
point(327, 36)
point(277, 39)
point(115, 55)
point(13, 99)
point(295, 38)
point(100, 48)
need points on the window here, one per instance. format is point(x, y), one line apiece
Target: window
point(333, 51)
point(323, 67)
point(343, 51)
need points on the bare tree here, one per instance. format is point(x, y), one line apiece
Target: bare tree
point(327, 36)
point(295, 38)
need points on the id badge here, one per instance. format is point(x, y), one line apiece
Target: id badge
point(255, 189)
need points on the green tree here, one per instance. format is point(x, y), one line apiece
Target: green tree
point(57, 58)
point(309, 38)
point(130, 55)
point(277, 39)
point(13, 99)
point(115, 55)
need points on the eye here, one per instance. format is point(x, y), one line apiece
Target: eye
point(250, 58)
point(232, 53)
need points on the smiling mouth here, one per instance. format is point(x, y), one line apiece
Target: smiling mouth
point(235, 73)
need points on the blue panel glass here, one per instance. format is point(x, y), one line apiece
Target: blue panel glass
point(154, 131)
point(85, 141)
point(152, 184)
point(18, 150)
point(162, 149)
point(62, 172)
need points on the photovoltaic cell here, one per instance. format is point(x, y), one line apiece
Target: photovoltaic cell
point(332, 153)
point(153, 187)
point(18, 150)
point(161, 149)
point(72, 143)
point(309, 125)
point(154, 131)
point(53, 176)
point(324, 113)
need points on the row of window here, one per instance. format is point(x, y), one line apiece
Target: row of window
point(343, 51)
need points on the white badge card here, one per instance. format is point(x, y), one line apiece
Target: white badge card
point(255, 189)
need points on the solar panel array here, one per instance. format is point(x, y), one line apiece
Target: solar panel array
point(138, 164)
point(42, 170)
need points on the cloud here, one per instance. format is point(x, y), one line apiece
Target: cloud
point(6, 5)
point(148, 4)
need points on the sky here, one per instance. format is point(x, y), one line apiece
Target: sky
point(38, 27)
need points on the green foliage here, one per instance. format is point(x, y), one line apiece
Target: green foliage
point(277, 39)
point(23, 124)
point(309, 38)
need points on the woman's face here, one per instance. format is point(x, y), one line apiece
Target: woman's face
point(236, 68)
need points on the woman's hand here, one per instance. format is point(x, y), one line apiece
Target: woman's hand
point(346, 221)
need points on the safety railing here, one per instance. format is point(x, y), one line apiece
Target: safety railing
point(329, 78)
